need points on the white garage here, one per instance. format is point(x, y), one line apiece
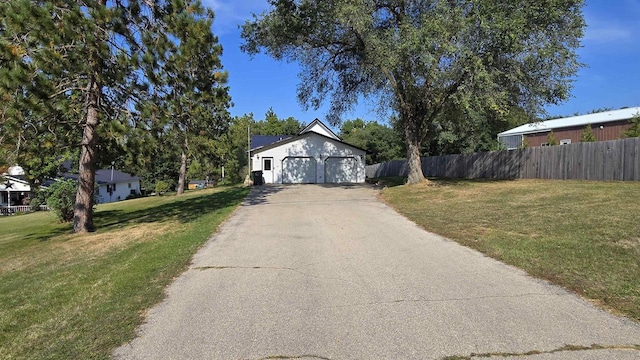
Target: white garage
point(341, 170)
point(299, 170)
point(315, 156)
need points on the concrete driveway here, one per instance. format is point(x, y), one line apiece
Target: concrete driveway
point(332, 273)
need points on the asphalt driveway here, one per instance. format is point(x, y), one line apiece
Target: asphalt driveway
point(329, 272)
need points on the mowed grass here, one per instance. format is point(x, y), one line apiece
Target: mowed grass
point(66, 296)
point(582, 235)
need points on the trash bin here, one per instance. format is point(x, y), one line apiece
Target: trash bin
point(257, 177)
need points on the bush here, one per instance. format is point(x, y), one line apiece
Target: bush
point(61, 198)
point(552, 140)
point(634, 130)
point(587, 134)
point(162, 186)
point(38, 199)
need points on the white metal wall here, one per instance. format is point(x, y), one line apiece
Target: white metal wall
point(317, 147)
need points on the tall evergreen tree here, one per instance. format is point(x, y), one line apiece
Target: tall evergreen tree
point(70, 66)
point(191, 80)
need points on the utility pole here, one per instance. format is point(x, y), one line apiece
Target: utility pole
point(249, 148)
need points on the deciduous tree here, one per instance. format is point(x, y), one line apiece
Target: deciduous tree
point(421, 56)
point(381, 142)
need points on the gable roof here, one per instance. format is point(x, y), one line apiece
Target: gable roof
point(320, 128)
point(13, 183)
point(103, 176)
point(258, 141)
point(294, 138)
point(582, 120)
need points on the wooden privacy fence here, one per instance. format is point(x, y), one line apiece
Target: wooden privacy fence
point(605, 160)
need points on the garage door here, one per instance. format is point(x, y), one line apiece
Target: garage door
point(341, 170)
point(298, 170)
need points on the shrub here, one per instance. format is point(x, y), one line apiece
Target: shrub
point(587, 134)
point(552, 140)
point(61, 198)
point(162, 186)
point(39, 198)
point(634, 130)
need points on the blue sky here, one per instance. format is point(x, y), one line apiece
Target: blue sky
point(610, 50)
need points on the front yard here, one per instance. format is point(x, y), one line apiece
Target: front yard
point(582, 235)
point(66, 296)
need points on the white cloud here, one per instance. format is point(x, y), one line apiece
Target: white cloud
point(231, 13)
point(608, 33)
point(612, 26)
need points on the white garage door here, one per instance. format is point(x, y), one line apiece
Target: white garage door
point(341, 170)
point(298, 170)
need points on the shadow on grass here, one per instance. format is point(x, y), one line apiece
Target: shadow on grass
point(394, 181)
point(44, 236)
point(183, 210)
point(464, 182)
point(390, 181)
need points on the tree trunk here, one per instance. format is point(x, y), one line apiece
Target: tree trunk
point(183, 168)
point(83, 207)
point(414, 163)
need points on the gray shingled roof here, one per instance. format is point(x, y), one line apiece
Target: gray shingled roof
point(104, 176)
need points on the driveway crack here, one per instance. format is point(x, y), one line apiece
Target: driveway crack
point(565, 348)
point(278, 268)
point(391, 302)
point(294, 357)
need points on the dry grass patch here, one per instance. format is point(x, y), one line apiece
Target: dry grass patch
point(66, 296)
point(579, 234)
point(81, 247)
point(98, 243)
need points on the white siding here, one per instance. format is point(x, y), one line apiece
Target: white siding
point(14, 191)
point(317, 147)
point(122, 190)
point(317, 128)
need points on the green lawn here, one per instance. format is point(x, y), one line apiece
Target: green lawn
point(582, 235)
point(66, 296)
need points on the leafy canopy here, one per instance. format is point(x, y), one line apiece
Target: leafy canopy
point(420, 57)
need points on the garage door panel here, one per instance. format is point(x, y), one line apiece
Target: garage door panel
point(298, 170)
point(341, 170)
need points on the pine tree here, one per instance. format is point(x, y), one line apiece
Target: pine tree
point(191, 81)
point(587, 134)
point(552, 140)
point(634, 130)
point(69, 66)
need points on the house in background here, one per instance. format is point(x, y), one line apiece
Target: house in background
point(197, 184)
point(113, 185)
point(315, 155)
point(608, 125)
point(15, 191)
